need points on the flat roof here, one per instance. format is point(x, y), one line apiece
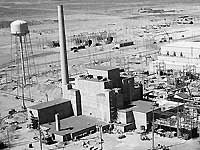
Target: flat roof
point(49, 103)
point(73, 124)
point(143, 106)
point(188, 44)
point(140, 106)
point(105, 68)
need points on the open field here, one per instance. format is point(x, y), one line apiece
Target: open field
point(121, 17)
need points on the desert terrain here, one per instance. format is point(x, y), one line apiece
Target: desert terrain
point(122, 18)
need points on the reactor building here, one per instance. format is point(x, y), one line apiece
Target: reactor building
point(99, 97)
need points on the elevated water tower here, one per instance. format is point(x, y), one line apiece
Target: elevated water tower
point(21, 51)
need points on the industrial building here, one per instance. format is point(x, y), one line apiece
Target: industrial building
point(182, 56)
point(101, 96)
point(45, 111)
point(58, 118)
point(73, 127)
point(100, 92)
point(139, 113)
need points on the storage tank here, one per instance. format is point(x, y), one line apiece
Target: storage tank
point(19, 28)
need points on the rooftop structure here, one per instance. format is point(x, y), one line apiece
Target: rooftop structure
point(110, 73)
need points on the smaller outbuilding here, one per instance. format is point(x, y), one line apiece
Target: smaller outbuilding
point(138, 114)
point(143, 113)
point(45, 112)
point(73, 127)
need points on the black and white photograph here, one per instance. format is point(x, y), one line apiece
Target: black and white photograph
point(100, 74)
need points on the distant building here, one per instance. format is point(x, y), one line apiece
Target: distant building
point(181, 56)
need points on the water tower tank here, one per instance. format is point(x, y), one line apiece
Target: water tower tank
point(19, 27)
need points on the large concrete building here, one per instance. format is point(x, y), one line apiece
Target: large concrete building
point(181, 56)
point(101, 92)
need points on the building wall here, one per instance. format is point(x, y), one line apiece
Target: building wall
point(103, 107)
point(119, 98)
point(149, 117)
point(83, 131)
point(94, 99)
point(130, 117)
point(86, 86)
point(130, 126)
point(59, 138)
point(125, 128)
point(114, 76)
point(137, 93)
point(88, 91)
point(75, 97)
point(48, 114)
point(127, 89)
point(125, 117)
point(140, 119)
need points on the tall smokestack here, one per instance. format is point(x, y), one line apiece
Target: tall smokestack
point(57, 119)
point(63, 51)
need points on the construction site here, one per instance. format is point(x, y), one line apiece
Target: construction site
point(126, 83)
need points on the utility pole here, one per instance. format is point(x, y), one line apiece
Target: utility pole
point(153, 128)
point(8, 138)
point(40, 134)
point(178, 133)
point(101, 139)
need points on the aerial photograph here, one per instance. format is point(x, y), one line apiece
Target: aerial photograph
point(100, 74)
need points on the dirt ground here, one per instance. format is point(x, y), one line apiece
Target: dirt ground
point(91, 16)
